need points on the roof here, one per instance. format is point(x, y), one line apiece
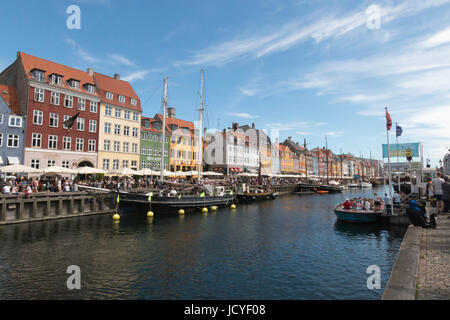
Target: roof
point(31, 62)
point(180, 123)
point(9, 95)
point(151, 128)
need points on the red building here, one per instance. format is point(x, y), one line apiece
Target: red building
point(50, 93)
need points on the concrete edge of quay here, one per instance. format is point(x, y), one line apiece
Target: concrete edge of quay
point(402, 282)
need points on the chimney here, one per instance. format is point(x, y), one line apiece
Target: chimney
point(253, 125)
point(90, 71)
point(289, 138)
point(235, 126)
point(171, 112)
point(117, 76)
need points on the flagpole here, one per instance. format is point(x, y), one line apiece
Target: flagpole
point(398, 160)
point(389, 168)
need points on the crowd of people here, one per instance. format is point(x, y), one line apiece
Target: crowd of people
point(364, 204)
point(20, 185)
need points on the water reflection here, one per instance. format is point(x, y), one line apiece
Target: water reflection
point(290, 248)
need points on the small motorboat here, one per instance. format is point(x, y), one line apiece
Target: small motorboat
point(258, 194)
point(353, 185)
point(365, 184)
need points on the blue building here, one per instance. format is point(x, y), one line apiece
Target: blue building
point(12, 127)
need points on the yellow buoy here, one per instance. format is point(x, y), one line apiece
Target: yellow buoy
point(116, 216)
point(150, 214)
point(233, 206)
point(213, 208)
point(181, 211)
point(205, 210)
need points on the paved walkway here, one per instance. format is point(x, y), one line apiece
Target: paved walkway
point(433, 276)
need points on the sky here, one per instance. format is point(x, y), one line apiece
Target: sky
point(308, 68)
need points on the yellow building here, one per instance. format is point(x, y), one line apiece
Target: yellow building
point(119, 125)
point(286, 159)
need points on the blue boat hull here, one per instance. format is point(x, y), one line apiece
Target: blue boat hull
point(357, 217)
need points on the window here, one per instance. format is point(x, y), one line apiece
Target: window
point(53, 120)
point(115, 164)
point(133, 164)
point(1, 139)
point(143, 164)
point(134, 148)
point(38, 95)
point(38, 75)
point(52, 142)
point(92, 125)
point(51, 163)
point(36, 140)
point(117, 112)
point(75, 84)
point(107, 110)
point(105, 164)
point(117, 129)
point(65, 118)
point(35, 163)
point(122, 99)
point(126, 148)
point(135, 132)
point(68, 101)
point(126, 115)
point(13, 141)
point(93, 106)
point(15, 121)
point(135, 116)
point(81, 104)
point(143, 151)
point(133, 102)
point(116, 146)
point(38, 117)
point(125, 163)
point(80, 124)
point(65, 164)
point(90, 88)
point(80, 144)
point(1, 118)
point(109, 95)
point(55, 79)
point(150, 151)
point(67, 143)
point(91, 145)
point(55, 98)
point(106, 145)
point(107, 127)
point(126, 130)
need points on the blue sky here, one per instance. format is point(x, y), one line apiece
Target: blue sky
point(310, 68)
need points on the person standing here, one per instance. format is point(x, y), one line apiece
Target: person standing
point(446, 194)
point(438, 192)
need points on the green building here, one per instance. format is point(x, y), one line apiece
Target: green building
point(151, 144)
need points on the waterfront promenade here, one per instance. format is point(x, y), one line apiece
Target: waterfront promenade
point(421, 271)
point(433, 277)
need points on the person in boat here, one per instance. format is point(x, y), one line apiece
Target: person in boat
point(378, 203)
point(347, 204)
point(367, 205)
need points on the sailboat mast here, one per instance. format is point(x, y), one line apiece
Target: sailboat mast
point(163, 128)
point(200, 125)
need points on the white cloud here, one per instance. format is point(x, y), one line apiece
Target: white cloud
point(121, 59)
point(248, 92)
point(242, 115)
point(80, 52)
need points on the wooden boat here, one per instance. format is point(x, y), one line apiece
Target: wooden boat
point(252, 196)
point(357, 216)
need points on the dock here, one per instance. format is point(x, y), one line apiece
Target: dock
point(53, 205)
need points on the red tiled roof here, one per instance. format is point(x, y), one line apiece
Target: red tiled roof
point(151, 128)
point(31, 62)
point(117, 87)
point(180, 123)
point(9, 95)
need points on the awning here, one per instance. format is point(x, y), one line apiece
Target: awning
point(13, 160)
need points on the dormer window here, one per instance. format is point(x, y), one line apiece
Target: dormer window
point(90, 88)
point(133, 102)
point(38, 75)
point(55, 79)
point(109, 95)
point(75, 84)
point(122, 99)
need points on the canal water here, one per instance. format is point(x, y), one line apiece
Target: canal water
point(289, 248)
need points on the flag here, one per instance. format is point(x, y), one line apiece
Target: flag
point(150, 197)
point(388, 120)
point(202, 194)
point(231, 192)
point(117, 198)
point(69, 122)
point(398, 131)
